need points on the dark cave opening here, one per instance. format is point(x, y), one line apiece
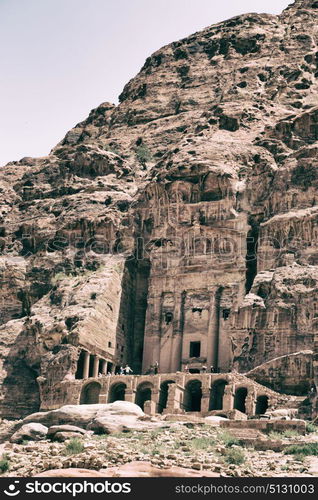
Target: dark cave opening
point(251, 256)
point(261, 405)
point(217, 394)
point(143, 394)
point(192, 396)
point(240, 399)
point(168, 318)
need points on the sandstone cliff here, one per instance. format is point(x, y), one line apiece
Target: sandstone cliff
point(187, 213)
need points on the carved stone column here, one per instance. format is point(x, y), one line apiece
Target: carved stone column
point(152, 332)
point(205, 402)
point(155, 394)
point(86, 365)
point(95, 366)
point(130, 395)
point(176, 351)
point(250, 402)
point(228, 398)
point(150, 407)
point(104, 367)
point(213, 330)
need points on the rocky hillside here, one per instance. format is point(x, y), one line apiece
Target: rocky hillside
point(220, 127)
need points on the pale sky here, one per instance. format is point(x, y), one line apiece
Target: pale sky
point(61, 58)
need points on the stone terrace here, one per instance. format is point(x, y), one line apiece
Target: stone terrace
point(229, 394)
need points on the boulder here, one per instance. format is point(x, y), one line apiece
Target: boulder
point(313, 468)
point(109, 425)
point(282, 414)
point(146, 469)
point(214, 420)
point(32, 431)
point(125, 408)
point(104, 426)
point(132, 469)
point(70, 473)
point(64, 436)
point(82, 415)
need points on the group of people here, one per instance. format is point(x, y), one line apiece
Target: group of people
point(154, 369)
point(122, 370)
point(125, 370)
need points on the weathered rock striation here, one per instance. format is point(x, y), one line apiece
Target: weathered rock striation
point(178, 228)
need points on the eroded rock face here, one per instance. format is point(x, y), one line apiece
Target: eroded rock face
point(283, 372)
point(184, 215)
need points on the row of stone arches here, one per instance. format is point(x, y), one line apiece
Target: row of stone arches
point(193, 398)
point(91, 392)
point(240, 401)
point(191, 401)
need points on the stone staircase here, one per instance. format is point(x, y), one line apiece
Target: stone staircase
point(283, 400)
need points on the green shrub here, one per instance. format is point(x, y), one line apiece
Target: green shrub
point(154, 434)
point(155, 451)
point(144, 451)
point(305, 449)
point(202, 443)
point(275, 435)
point(4, 464)
point(310, 427)
point(119, 435)
point(143, 154)
point(291, 434)
point(59, 277)
point(228, 439)
point(235, 456)
point(74, 446)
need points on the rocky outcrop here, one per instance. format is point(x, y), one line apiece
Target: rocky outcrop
point(177, 227)
point(32, 431)
point(282, 372)
point(56, 429)
point(82, 415)
point(133, 469)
